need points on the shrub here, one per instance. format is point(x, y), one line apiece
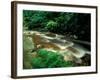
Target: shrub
point(51, 25)
point(49, 59)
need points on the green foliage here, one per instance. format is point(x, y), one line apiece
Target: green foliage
point(49, 59)
point(33, 19)
point(51, 25)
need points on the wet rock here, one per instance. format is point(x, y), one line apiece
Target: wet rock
point(42, 41)
point(28, 43)
point(50, 34)
point(86, 60)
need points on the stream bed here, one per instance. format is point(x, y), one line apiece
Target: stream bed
point(70, 50)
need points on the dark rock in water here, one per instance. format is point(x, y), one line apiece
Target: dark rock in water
point(50, 34)
point(86, 60)
point(73, 50)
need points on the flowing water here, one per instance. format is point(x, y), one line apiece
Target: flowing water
point(50, 41)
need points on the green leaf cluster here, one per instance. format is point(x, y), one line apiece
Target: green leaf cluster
point(49, 59)
point(51, 25)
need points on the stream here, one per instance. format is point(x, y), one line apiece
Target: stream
point(72, 50)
